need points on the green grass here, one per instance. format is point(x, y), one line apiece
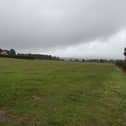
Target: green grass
point(50, 93)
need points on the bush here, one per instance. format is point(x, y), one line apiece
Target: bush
point(121, 64)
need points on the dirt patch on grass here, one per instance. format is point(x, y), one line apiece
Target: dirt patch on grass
point(3, 116)
point(8, 117)
point(37, 98)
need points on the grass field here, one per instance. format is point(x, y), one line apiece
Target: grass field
point(50, 93)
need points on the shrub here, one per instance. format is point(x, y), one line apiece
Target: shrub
point(121, 64)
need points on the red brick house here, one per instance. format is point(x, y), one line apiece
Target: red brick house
point(4, 53)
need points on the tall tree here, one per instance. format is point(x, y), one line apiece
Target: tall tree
point(1, 50)
point(125, 53)
point(12, 52)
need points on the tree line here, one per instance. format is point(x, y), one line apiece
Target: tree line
point(12, 54)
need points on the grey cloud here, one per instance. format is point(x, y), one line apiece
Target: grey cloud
point(49, 23)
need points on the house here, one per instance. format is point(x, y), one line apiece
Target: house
point(4, 53)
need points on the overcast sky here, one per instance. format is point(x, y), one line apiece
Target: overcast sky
point(67, 28)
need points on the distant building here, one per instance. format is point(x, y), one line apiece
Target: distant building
point(4, 53)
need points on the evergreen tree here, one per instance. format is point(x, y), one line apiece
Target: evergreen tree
point(12, 52)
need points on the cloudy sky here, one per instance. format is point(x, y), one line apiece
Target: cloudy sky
point(67, 28)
